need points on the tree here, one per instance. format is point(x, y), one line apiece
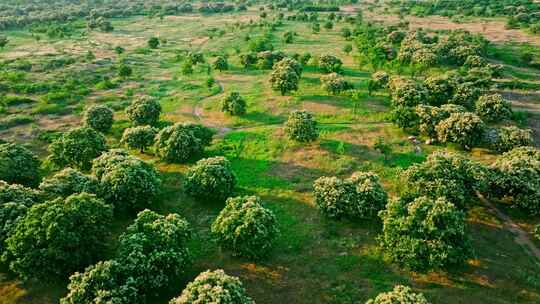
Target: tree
point(220, 64)
point(425, 234)
point(515, 176)
point(233, 104)
point(328, 25)
point(18, 194)
point(465, 129)
point(104, 282)
point(187, 68)
point(346, 32)
point(447, 175)
point(429, 117)
point(140, 137)
point(128, 182)
point(99, 117)
point(360, 196)
point(315, 27)
point(335, 84)
point(440, 89)
point(214, 287)
point(67, 182)
point(181, 142)
point(288, 62)
point(245, 227)
point(406, 92)
point(153, 250)
point(153, 42)
point(3, 42)
point(11, 214)
point(144, 111)
point(508, 138)
point(301, 126)
point(493, 108)
point(330, 64)
point(288, 37)
point(125, 71)
point(383, 147)
point(210, 179)
point(77, 148)
point(284, 79)
point(399, 295)
point(18, 165)
point(347, 48)
point(59, 237)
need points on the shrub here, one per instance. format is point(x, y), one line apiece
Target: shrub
point(360, 196)
point(508, 138)
point(18, 165)
point(465, 129)
point(214, 287)
point(425, 234)
point(153, 250)
point(301, 126)
point(144, 111)
point(284, 79)
point(67, 182)
point(245, 227)
point(127, 182)
point(104, 282)
point(233, 104)
point(399, 295)
point(493, 108)
point(58, 237)
point(330, 64)
point(447, 175)
point(516, 177)
point(99, 118)
point(182, 142)
point(335, 84)
point(140, 137)
point(77, 148)
point(221, 64)
point(18, 194)
point(210, 179)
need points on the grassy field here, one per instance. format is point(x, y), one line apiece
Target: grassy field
point(315, 260)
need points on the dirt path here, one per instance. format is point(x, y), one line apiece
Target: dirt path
point(521, 236)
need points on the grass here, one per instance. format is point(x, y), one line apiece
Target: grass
point(315, 260)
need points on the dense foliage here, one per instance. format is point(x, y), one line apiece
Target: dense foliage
point(140, 137)
point(210, 179)
point(67, 182)
point(144, 111)
point(330, 64)
point(77, 148)
point(335, 84)
point(233, 104)
point(465, 129)
point(399, 295)
point(18, 165)
point(360, 196)
point(284, 79)
point(18, 194)
point(301, 126)
point(508, 138)
point(425, 234)
point(214, 287)
point(58, 237)
point(99, 117)
point(182, 142)
point(245, 227)
point(493, 108)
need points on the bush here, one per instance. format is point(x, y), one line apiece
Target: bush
point(512, 137)
point(127, 182)
point(335, 84)
point(425, 234)
point(493, 108)
point(360, 196)
point(245, 227)
point(77, 148)
point(221, 64)
point(140, 137)
point(144, 111)
point(67, 182)
point(330, 64)
point(99, 118)
point(284, 79)
point(516, 178)
point(104, 282)
point(465, 129)
point(210, 179)
point(301, 126)
point(18, 194)
point(59, 237)
point(182, 142)
point(233, 104)
point(153, 250)
point(399, 295)
point(447, 175)
point(214, 287)
point(18, 165)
